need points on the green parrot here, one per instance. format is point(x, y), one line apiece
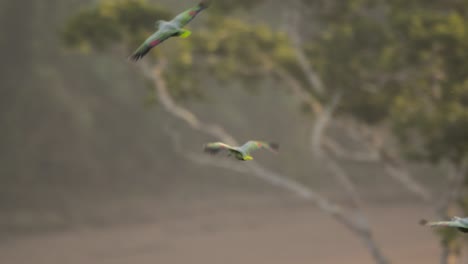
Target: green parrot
point(456, 222)
point(242, 152)
point(167, 29)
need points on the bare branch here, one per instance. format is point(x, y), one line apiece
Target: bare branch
point(274, 179)
point(313, 78)
point(344, 179)
point(395, 169)
point(218, 132)
point(456, 177)
point(454, 190)
point(321, 124)
point(202, 159)
point(373, 152)
point(342, 153)
point(357, 224)
point(360, 228)
point(297, 89)
point(335, 168)
point(403, 177)
point(324, 114)
point(377, 152)
point(170, 106)
point(393, 165)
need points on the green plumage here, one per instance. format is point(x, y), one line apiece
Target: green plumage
point(456, 222)
point(241, 152)
point(167, 29)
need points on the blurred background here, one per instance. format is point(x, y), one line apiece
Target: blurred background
point(101, 158)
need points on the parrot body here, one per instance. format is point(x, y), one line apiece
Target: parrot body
point(168, 29)
point(456, 222)
point(241, 152)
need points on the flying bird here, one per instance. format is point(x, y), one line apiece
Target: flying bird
point(241, 152)
point(456, 222)
point(167, 29)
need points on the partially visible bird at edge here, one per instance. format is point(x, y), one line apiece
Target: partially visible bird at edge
point(167, 29)
point(456, 222)
point(240, 152)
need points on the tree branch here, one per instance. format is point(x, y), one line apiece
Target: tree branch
point(378, 153)
point(456, 177)
point(356, 224)
point(342, 153)
point(156, 75)
point(322, 121)
point(399, 173)
point(319, 128)
point(201, 159)
point(324, 114)
point(313, 78)
point(321, 124)
point(297, 89)
point(405, 179)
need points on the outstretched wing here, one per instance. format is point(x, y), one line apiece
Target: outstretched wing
point(441, 223)
point(254, 145)
point(462, 221)
point(215, 147)
point(185, 17)
point(157, 38)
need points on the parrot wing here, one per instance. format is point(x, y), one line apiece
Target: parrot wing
point(157, 38)
point(254, 145)
point(216, 147)
point(441, 223)
point(185, 17)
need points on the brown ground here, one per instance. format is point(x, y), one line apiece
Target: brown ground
point(274, 234)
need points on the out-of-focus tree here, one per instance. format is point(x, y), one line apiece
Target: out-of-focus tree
point(224, 49)
point(396, 67)
point(399, 64)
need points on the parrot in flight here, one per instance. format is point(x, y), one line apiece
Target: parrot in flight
point(167, 29)
point(241, 152)
point(456, 222)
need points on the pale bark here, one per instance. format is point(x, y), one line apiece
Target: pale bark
point(355, 222)
point(321, 123)
point(323, 117)
point(314, 80)
point(393, 165)
point(399, 173)
point(375, 151)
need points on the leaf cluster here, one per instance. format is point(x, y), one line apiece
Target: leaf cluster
point(400, 62)
point(221, 47)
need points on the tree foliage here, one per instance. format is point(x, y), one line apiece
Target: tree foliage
point(397, 62)
point(400, 62)
point(223, 47)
